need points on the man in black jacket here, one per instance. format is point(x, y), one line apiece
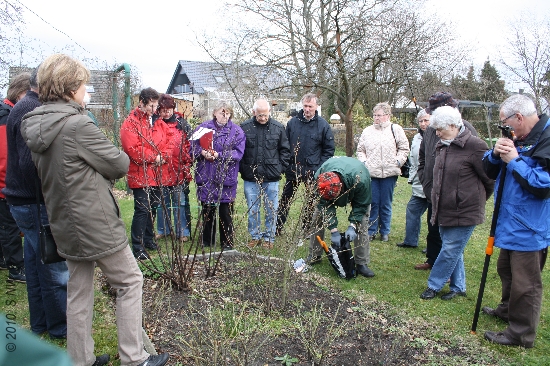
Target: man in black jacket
point(426, 162)
point(265, 158)
point(311, 144)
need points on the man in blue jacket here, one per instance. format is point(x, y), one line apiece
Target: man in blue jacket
point(311, 144)
point(523, 226)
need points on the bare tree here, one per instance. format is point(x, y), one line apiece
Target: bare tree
point(11, 21)
point(527, 54)
point(343, 50)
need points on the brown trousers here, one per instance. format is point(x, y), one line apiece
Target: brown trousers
point(124, 275)
point(520, 275)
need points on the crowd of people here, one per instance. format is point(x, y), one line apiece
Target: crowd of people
point(57, 167)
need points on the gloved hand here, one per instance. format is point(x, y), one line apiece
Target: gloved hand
point(335, 238)
point(351, 234)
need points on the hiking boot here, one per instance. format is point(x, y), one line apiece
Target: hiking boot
point(101, 360)
point(252, 243)
point(183, 239)
point(492, 312)
point(452, 295)
point(17, 274)
point(155, 360)
point(428, 294)
point(267, 244)
point(364, 270)
point(141, 255)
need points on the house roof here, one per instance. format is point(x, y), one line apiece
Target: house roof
point(208, 76)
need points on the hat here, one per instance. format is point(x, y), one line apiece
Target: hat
point(439, 100)
point(329, 185)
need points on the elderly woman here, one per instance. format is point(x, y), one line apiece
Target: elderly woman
point(216, 175)
point(460, 189)
point(76, 163)
point(383, 148)
point(418, 204)
point(176, 174)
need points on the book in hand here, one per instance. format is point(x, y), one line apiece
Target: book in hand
point(205, 137)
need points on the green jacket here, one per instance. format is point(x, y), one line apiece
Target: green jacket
point(76, 163)
point(356, 189)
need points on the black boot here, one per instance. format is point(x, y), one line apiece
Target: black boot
point(362, 269)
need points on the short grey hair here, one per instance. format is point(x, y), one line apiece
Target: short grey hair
point(446, 116)
point(421, 114)
point(255, 107)
point(384, 106)
point(308, 97)
point(518, 103)
point(34, 77)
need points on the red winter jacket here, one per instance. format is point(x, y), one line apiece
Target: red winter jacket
point(143, 143)
point(4, 112)
point(177, 169)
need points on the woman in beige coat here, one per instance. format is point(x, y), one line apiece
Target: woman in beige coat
point(383, 148)
point(76, 164)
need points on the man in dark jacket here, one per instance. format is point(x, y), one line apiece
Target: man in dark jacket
point(11, 246)
point(342, 180)
point(266, 157)
point(311, 144)
point(46, 283)
point(426, 162)
point(523, 225)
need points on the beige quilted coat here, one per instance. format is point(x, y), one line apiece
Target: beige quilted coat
point(381, 153)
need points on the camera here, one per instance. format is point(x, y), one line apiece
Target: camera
point(507, 132)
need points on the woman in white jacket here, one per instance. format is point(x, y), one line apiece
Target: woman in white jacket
point(383, 148)
point(418, 204)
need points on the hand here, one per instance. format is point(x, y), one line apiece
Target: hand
point(351, 234)
point(335, 238)
point(505, 149)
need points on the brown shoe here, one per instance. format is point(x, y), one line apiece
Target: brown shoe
point(160, 236)
point(267, 244)
point(183, 239)
point(423, 266)
point(252, 243)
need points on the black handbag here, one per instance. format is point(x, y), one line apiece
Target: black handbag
point(407, 165)
point(48, 246)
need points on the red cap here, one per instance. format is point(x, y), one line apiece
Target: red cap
point(329, 185)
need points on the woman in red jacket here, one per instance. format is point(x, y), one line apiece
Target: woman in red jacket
point(145, 144)
point(176, 174)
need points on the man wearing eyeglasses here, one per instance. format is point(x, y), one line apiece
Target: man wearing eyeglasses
point(523, 225)
point(266, 157)
point(311, 144)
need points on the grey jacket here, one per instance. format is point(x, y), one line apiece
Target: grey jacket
point(75, 162)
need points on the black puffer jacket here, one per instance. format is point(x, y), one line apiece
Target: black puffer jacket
point(267, 152)
point(311, 144)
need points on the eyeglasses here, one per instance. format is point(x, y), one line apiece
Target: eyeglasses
point(263, 115)
point(379, 115)
point(424, 120)
point(503, 121)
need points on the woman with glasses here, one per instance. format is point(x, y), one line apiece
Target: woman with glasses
point(418, 204)
point(383, 148)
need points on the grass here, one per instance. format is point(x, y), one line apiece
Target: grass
point(397, 285)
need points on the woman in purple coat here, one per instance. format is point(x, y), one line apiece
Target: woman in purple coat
point(216, 175)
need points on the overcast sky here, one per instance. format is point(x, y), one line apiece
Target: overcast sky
point(154, 35)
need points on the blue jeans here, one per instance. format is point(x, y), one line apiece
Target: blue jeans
point(380, 208)
point(175, 199)
point(254, 192)
point(46, 283)
point(415, 209)
point(450, 261)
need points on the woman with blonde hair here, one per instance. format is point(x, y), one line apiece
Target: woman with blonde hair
point(383, 148)
point(77, 163)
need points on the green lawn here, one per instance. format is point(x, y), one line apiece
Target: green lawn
point(396, 285)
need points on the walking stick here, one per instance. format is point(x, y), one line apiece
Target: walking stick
point(489, 248)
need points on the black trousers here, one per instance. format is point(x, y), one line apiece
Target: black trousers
point(433, 239)
point(11, 247)
point(208, 215)
point(146, 202)
point(289, 189)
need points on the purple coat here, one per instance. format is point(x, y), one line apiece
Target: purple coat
point(217, 180)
